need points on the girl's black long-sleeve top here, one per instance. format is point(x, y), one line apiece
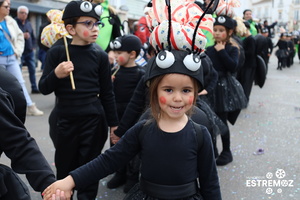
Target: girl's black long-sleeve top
point(225, 60)
point(282, 44)
point(210, 74)
point(167, 159)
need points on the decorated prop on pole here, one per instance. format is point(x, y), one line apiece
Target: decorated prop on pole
point(55, 30)
point(226, 7)
point(68, 59)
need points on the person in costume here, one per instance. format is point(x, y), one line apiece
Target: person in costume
point(128, 75)
point(176, 154)
point(239, 30)
point(225, 60)
point(84, 112)
point(246, 74)
point(263, 47)
point(291, 49)
point(282, 53)
point(17, 144)
point(112, 25)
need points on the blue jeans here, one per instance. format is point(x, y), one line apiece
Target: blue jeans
point(42, 57)
point(29, 60)
point(11, 64)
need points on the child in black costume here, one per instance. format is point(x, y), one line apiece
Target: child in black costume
point(173, 165)
point(291, 50)
point(246, 74)
point(228, 94)
point(126, 49)
point(166, 160)
point(282, 53)
point(17, 144)
point(82, 113)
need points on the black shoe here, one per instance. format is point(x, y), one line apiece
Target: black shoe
point(116, 181)
point(35, 91)
point(224, 158)
point(129, 184)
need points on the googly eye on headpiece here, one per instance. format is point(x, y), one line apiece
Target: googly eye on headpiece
point(126, 43)
point(225, 21)
point(78, 8)
point(177, 38)
point(116, 44)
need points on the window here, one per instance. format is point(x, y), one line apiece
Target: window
point(296, 15)
point(279, 15)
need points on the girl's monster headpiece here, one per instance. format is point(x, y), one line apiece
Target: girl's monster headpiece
point(177, 37)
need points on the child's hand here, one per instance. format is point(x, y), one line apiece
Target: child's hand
point(113, 77)
point(67, 184)
point(63, 69)
point(59, 195)
point(113, 137)
point(203, 92)
point(220, 45)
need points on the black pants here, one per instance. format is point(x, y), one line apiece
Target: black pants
point(79, 140)
point(225, 137)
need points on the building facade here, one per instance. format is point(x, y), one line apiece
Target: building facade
point(285, 12)
point(128, 10)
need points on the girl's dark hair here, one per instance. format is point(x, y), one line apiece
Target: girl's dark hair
point(246, 11)
point(154, 104)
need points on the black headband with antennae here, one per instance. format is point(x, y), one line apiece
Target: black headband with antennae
point(170, 24)
point(196, 28)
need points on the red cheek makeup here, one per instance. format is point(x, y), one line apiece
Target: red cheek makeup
point(162, 100)
point(191, 100)
point(85, 33)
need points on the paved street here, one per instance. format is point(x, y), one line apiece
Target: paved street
point(265, 142)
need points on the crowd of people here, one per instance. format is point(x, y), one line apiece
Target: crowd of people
point(163, 114)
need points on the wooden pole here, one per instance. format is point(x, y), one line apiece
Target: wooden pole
point(68, 58)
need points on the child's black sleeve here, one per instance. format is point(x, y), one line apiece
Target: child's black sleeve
point(23, 151)
point(112, 159)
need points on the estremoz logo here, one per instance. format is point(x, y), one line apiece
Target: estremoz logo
point(270, 183)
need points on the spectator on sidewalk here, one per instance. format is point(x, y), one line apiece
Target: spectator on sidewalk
point(28, 56)
point(254, 27)
point(270, 28)
point(12, 46)
point(42, 48)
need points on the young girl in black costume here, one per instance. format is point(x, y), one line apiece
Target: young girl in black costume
point(228, 94)
point(175, 164)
